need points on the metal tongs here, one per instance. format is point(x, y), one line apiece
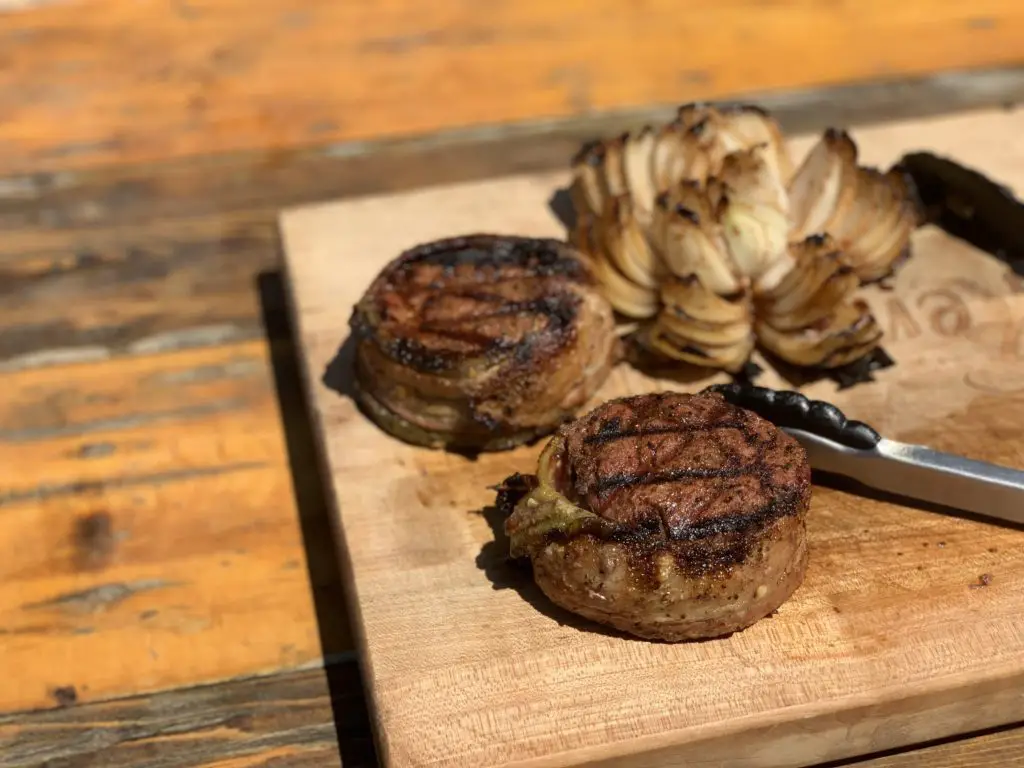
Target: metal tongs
point(853, 449)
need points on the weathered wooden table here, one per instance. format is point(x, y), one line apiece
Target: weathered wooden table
point(169, 593)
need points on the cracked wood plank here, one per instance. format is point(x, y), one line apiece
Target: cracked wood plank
point(299, 720)
point(993, 749)
point(132, 292)
point(100, 80)
point(164, 526)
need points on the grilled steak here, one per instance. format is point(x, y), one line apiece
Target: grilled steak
point(481, 342)
point(667, 516)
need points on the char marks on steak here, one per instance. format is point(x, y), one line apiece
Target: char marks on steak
point(687, 462)
point(670, 516)
point(482, 341)
point(447, 303)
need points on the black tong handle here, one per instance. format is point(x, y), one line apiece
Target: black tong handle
point(786, 408)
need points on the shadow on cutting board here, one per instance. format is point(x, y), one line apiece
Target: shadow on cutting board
point(348, 702)
point(505, 573)
point(338, 376)
point(848, 485)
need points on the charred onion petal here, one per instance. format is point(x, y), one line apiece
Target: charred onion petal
point(628, 298)
point(817, 186)
point(755, 221)
point(775, 273)
point(678, 155)
point(692, 314)
point(638, 163)
point(725, 356)
point(877, 229)
point(750, 177)
point(676, 321)
point(668, 516)
point(878, 260)
point(844, 336)
point(667, 158)
point(870, 215)
point(748, 126)
point(613, 168)
point(588, 182)
point(690, 295)
point(694, 114)
point(727, 129)
point(627, 245)
point(820, 281)
point(686, 228)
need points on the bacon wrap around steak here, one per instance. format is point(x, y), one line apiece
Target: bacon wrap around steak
point(668, 516)
point(481, 342)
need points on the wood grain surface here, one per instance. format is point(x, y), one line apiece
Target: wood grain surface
point(102, 269)
point(125, 309)
point(311, 718)
point(97, 81)
point(152, 510)
point(117, 251)
point(306, 719)
point(995, 749)
point(907, 627)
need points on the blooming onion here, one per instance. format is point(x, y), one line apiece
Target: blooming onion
point(706, 233)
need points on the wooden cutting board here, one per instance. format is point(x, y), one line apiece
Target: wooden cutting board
point(909, 626)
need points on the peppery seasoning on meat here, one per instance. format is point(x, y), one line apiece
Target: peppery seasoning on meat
point(481, 342)
point(667, 516)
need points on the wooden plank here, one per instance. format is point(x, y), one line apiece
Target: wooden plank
point(134, 291)
point(299, 719)
point(100, 80)
point(303, 719)
point(164, 526)
point(1001, 747)
point(886, 644)
point(169, 190)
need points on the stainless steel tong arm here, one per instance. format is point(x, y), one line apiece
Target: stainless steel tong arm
point(919, 472)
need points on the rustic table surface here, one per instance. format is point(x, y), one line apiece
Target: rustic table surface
point(170, 594)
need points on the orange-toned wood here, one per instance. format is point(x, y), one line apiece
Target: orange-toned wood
point(907, 628)
point(102, 80)
point(150, 531)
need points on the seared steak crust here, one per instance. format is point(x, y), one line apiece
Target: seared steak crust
point(669, 516)
point(483, 341)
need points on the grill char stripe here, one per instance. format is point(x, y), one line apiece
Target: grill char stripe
point(608, 437)
point(719, 550)
point(675, 459)
point(618, 482)
point(544, 282)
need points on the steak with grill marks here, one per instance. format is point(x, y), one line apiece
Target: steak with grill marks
point(481, 342)
point(668, 516)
